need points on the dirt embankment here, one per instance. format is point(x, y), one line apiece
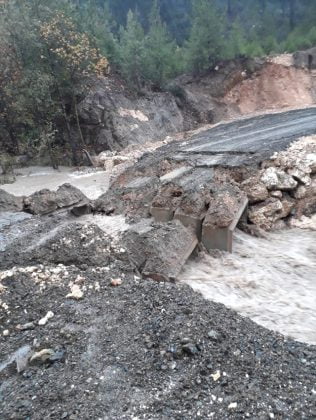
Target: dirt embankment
point(276, 86)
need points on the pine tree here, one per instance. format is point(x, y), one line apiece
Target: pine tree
point(131, 49)
point(206, 40)
point(160, 51)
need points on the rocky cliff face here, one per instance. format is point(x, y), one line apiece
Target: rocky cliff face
point(113, 118)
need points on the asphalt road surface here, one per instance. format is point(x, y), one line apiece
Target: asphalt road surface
point(248, 140)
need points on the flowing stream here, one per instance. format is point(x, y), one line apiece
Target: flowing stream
point(272, 281)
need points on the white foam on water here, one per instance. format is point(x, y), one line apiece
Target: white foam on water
point(272, 281)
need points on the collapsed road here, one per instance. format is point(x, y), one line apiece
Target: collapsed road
point(80, 321)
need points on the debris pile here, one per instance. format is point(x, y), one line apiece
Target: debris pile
point(285, 187)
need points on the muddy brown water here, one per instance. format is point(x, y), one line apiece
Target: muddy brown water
point(272, 281)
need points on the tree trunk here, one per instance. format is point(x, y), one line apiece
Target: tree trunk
point(77, 121)
point(14, 146)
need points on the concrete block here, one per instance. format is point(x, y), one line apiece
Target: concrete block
point(161, 251)
point(162, 214)
point(218, 237)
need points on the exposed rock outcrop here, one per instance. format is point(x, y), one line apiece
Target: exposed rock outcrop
point(111, 118)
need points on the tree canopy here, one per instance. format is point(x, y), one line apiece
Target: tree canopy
point(49, 52)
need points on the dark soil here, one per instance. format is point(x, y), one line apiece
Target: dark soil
point(142, 350)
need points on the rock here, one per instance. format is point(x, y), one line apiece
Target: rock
point(265, 214)
point(76, 293)
point(25, 327)
point(190, 349)
point(116, 282)
point(214, 335)
point(47, 355)
point(276, 179)
point(160, 251)
point(46, 201)
point(256, 191)
point(300, 176)
point(300, 192)
point(9, 202)
point(288, 205)
point(41, 202)
point(42, 355)
point(216, 376)
point(47, 317)
point(118, 160)
point(20, 357)
point(276, 194)
point(310, 160)
point(112, 120)
point(68, 195)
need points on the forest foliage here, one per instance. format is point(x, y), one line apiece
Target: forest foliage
point(50, 51)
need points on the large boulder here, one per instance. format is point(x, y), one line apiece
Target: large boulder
point(9, 202)
point(68, 195)
point(46, 201)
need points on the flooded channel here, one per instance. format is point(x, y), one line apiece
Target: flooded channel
point(272, 281)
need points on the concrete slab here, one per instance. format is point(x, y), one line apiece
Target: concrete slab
point(160, 252)
point(215, 235)
point(141, 182)
point(196, 180)
point(173, 175)
point(191, 211)
point(162, 214)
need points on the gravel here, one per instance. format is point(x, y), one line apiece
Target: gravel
point(142, 350)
